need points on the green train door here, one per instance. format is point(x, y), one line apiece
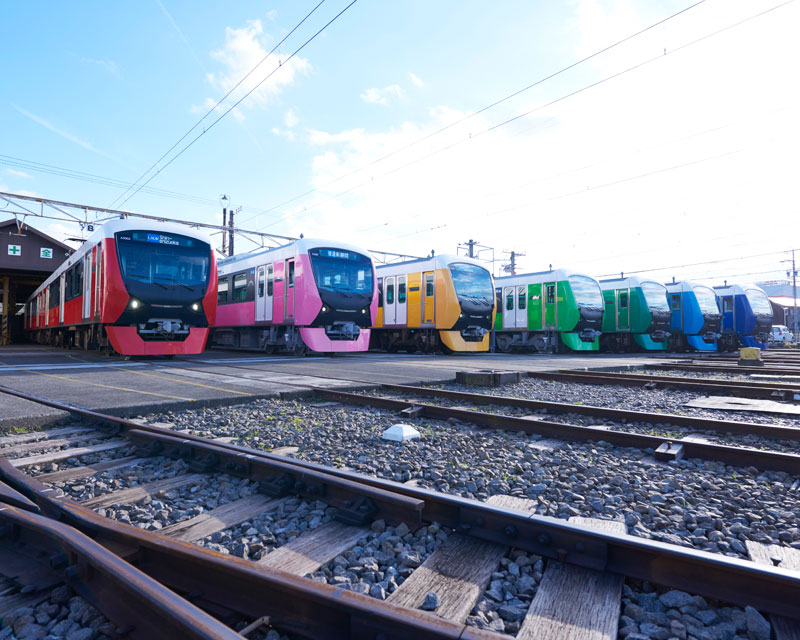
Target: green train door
point(549, 307)
point(623, 309)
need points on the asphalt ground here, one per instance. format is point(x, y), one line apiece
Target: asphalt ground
point(140, 385)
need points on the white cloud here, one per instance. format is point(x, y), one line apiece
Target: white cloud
point(244, 49)
point(288, 133)
point(382, 96)
point(415, 80)
point(60, 132)
point(291, 119)
point(272, 14)
point(105, 63)
point(18, 174)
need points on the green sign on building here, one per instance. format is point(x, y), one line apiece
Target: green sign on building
point(14, 249)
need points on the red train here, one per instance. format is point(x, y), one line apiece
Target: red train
point(134, 287)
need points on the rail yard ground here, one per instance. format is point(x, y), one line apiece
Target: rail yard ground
point(584, 451)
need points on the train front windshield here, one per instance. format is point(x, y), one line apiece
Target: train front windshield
point(707, 300)
point(163, 259)
point(342, 271)
point(472, 283)
point(656, 296)
point(759, 302)
point(586, 291)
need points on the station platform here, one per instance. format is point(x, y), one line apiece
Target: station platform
point(142, 385)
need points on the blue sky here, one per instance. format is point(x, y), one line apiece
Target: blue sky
point(689, 158)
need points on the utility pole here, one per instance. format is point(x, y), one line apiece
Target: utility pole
point(230, 243)
point(471, 244)
point(794, 295)
point(224, 201)
point(511, 267)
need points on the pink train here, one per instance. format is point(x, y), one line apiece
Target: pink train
point(307, 295)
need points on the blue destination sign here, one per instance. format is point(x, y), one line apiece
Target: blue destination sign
point(338, 254)
point(158, 238)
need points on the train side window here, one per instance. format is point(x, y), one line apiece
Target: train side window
point(55, 294)
point(380, 292)
point(498, 298)
point(390, 293)
point(676, 301)
point(401, 289)
point(509, 298)
point(222, 291)
point(623, 300)
point(727, 305)
point(239, 287)
point(77, 279)
point(428, 285)
point(269, 280)
point(522, 299)
point(290, 279)
point(551, 293)
point(260, 283)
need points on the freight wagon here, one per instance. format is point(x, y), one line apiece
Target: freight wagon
point(547, 310)
point(442, 302)
point(636, 314)
point(746, 316)
point(695, 317)
point(134, 287)
point(310, 294)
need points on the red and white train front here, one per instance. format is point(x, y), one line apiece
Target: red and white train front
point(309, 294)
point(137, 287)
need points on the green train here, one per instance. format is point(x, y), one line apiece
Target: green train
point(636, 314)
point(548, 311)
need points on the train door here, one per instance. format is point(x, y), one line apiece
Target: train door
point(623, 309)
point(509, 312)
point(61, 297)
point(87, 286)
point(288, 292)
point(522, 307)
point(728, 314)
point(550, 317)
point(98, 276)
point(428, 313)
point(261, 293)
point(401, 309)
point(46, 306)
point(675, 306)
point(389, 302)
point(270, 293)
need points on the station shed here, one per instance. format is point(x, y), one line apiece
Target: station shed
point(27, 257)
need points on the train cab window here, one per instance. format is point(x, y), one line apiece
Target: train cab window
point(551, 293)
point(623, 300)
point(401, 290)
point(390, 293)
point(522, 299)
point(380, 292)
point(261, 283)
point(222, 291)
point(727, 304)
point(290, 277)
point(428, 285)
point(675, 300)
point(509, 298)
point(269, 280)
point(498, 298)
point(239, 287)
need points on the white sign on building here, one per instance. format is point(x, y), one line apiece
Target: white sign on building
point(14, 250)
point(45, 253)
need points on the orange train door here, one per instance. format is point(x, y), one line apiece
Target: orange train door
point(428, 298)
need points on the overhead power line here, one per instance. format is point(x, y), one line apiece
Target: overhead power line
point(238, 102)
point(487, 107)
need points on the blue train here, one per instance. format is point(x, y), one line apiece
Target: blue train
point(696, 319)
point(746, 316)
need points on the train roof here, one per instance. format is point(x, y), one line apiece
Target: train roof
point(300, 246)
point(111, 227)
point(440, 261)
point(684, 285)
point(737, 288)
point(627, 282)
point(542, 276)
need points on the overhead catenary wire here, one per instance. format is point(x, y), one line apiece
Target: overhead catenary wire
point(238, 102)
point(487, 107)
point(494, 127)
point(219, 102)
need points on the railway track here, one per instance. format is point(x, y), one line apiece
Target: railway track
point(233, 588)
point(715, 367)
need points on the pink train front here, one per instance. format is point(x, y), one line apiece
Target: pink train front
point(307, 295)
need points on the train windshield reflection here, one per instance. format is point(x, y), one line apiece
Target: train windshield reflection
point(161, 259)
point(472, 283)
point(586, 291)
point(656, 296)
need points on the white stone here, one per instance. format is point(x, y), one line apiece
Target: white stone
point(400, 433)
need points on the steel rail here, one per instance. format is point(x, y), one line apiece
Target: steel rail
point(711, 575)
point(124, 594)
point(317, 610)
point(737, 456)
point(771, 391)
point(707, 424)
point(226, 584)
point(717, 368)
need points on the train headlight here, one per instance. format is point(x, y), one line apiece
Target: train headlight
point(324, 308)
point(134, 304)
point(195, 306)
point(363, 311)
